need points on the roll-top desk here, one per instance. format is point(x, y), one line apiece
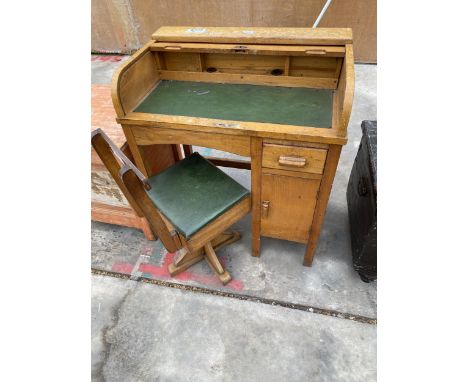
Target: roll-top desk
point(281, 96)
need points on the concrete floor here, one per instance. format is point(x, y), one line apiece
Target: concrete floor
point(150, 332)
point(144, 332)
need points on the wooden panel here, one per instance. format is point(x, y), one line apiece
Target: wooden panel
point(296, 174)
point(291, 206)
point(254, 79)
point(134, 80)
point(322, 67)
point(157, 158)
point(231, 143)
point(254, 35)
point(316, 71)
point(124, 25)
point(249, 64)
point(276, 156)
point(235, 128)
point(181, 61)
point(343, 96)
point(245, 49)
point(124, 216)
point(297, 143)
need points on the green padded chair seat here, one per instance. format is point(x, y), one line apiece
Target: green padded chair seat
point(194, 192)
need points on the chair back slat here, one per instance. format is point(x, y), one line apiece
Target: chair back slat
point(148, 208)
point(108, 155)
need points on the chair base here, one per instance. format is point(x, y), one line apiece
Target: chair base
point(220, 241)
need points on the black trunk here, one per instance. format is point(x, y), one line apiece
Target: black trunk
point(362, 204)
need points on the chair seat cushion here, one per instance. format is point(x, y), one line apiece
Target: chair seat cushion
point(194, 192)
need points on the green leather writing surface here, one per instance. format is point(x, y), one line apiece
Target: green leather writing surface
point(241, 102)
point(194, 192)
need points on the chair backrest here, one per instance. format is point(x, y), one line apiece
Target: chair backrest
point(132, 184)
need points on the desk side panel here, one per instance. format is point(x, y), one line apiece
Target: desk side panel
point(344, 94)
point(133, 80)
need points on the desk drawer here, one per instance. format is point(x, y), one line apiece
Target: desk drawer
point(294, 158)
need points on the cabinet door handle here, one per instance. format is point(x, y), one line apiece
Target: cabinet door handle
point(292, 161)
point(265, 208)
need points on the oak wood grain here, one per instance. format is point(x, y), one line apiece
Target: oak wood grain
point(255, 35)
point(256, 149)
point(291, 206)
point(276, 156)
point(331, 164)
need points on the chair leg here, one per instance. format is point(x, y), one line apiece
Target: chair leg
point(188, 259)
point(214, 263)
point(186, 262)
point(213, 259)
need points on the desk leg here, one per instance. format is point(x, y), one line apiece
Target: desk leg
point(136, 153)
point(329, 171)
point(256, 148)
point(177, 150)
point(152, 159)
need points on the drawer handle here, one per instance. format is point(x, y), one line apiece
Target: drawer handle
point(292, 161)
point(265, 208)
point(173, 47)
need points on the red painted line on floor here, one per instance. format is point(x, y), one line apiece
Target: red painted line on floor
point(122, 268)
point(107, 58)
point(157, 271)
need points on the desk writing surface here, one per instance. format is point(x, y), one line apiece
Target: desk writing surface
point(241, 102)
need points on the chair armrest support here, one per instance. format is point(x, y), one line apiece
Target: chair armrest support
point(126, 167)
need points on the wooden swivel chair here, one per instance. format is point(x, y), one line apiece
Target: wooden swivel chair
point(188, 205)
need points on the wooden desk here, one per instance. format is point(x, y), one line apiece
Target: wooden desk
point(282, 96)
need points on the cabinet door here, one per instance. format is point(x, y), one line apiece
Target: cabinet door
point(288, 205)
